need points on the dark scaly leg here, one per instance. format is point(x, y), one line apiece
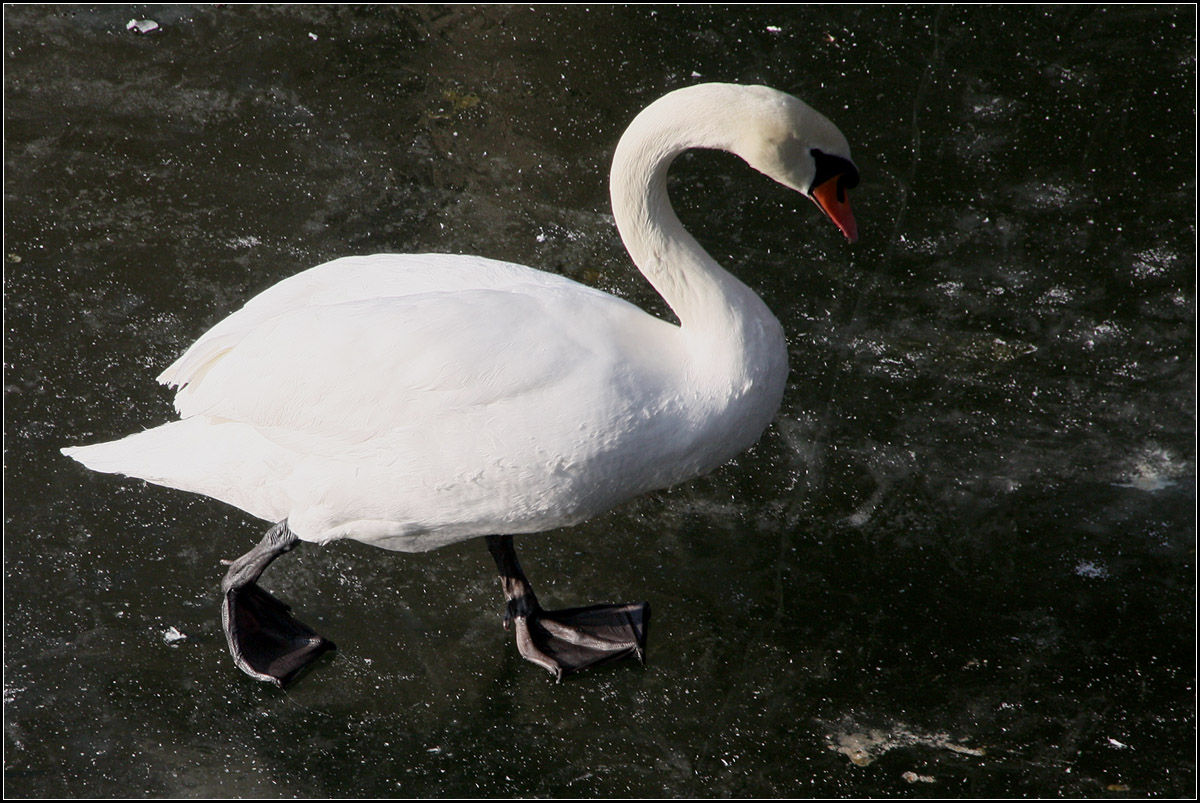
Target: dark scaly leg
point(266, 642)
point(572, 639)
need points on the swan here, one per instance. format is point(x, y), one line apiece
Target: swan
point(413, 401)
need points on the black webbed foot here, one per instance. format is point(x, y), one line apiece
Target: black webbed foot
point(266, 641)
point(572, 639)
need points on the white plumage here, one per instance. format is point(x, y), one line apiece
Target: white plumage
point(410, 401)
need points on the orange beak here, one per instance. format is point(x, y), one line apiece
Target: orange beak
point(835, 202)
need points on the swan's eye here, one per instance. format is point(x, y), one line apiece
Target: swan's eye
point(829, 167)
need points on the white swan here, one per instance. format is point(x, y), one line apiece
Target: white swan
point(412, 401)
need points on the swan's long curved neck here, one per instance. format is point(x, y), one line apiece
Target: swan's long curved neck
point(705, 297)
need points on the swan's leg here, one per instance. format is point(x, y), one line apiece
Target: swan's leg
point(572, 639)
point(266, 642)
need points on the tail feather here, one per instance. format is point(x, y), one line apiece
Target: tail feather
point(226, 461)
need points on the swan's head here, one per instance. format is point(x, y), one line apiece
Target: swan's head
point(799, 147)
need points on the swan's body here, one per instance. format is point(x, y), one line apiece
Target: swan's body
point(411, 401)
point(417, 400)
